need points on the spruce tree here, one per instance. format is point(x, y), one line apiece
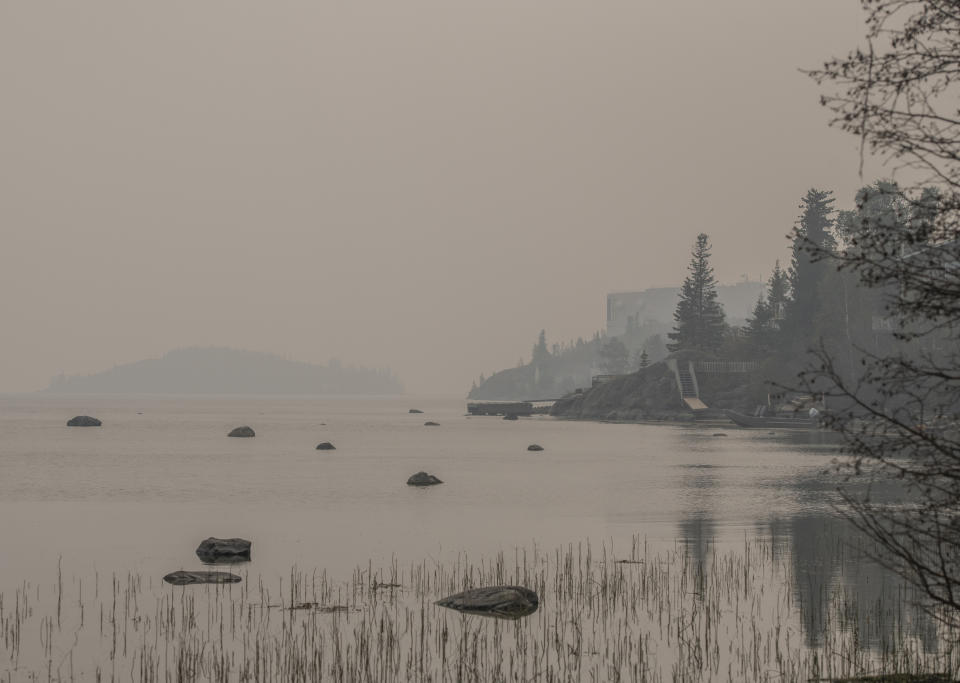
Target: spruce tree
point(812, 232)
point(759, 325)
point(540, 352)
point(699, 316)
point(778, 293)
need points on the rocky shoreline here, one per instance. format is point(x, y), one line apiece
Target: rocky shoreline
point(651, 395)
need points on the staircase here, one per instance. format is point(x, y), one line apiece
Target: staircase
point(687, 384)
point(687, 388)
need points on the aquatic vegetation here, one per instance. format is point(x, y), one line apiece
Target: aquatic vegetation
point(603, 615)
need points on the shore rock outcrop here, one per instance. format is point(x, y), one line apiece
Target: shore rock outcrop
point(510, 416)
point(84, 421)
point(224, 550)
point(423, 479)
point(503, 602)
point(326, 446)
point(652, 394)
point(242, 432)
point(183, 578)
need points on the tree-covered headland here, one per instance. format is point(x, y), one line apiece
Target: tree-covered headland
point(867, 315)
point(804, 306)
point(810, 306)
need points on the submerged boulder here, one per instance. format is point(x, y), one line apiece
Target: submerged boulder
point(224, 550)
point(326, 446)
point(534, 447)
point(242, 431)
point(414, 411)
point(183, 578)
point(431, 424)
point(503, 602)
point(423, 479)
point(84, 421)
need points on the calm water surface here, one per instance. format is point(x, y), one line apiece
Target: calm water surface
point(161, 475)
point(138, 494)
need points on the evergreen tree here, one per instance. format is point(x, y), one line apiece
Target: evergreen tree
point(614, 357)
point(644, 358)
point(813, 231)
point(540, 352)
point(699, 316)
point(759, 326)
point(778, 294)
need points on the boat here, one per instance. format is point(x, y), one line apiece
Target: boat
point(781, 421)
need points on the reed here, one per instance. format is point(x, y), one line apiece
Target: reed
point(636, 616)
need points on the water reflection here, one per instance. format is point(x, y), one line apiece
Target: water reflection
point(837, 585)
point(698, 524)
point(92, 496)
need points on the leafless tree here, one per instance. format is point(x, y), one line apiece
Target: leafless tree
point(898, 408)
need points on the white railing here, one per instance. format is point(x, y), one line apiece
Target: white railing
point(725, 366)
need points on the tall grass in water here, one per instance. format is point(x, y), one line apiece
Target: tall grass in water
point(643, 616)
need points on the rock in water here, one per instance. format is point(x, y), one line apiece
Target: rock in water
point(414, 411)
point(423, 479)
point(183, 578)
point(510, 416)
point(84, 421)
point(242, 431)
point(504, 602)
point(431, 424)
point(326, 446)
point(534, 447)
point(224, 550)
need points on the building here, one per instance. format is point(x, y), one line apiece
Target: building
point(626, 310)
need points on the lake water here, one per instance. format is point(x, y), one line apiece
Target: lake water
point(138, 494)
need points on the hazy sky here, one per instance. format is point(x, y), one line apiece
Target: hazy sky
point(421, 185)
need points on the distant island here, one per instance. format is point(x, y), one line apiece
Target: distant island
point(229, 371)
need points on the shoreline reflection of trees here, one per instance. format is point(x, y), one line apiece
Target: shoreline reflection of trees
point(836, 584)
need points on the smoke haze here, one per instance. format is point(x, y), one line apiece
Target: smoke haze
point(419, 185)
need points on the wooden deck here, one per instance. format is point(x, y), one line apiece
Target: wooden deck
point(500, 408)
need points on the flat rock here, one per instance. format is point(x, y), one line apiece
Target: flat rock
point(504, 602)
point(224, 550)
point(242, 431)
point(414, 411)
point(423, 479)
point(183, 578)
point(431, 424)
point(84, 421)
point(326, 446)
point(534, 447)
point(719, 434)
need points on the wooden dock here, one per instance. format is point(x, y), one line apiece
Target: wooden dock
point(500, 408)
point(538, 406)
